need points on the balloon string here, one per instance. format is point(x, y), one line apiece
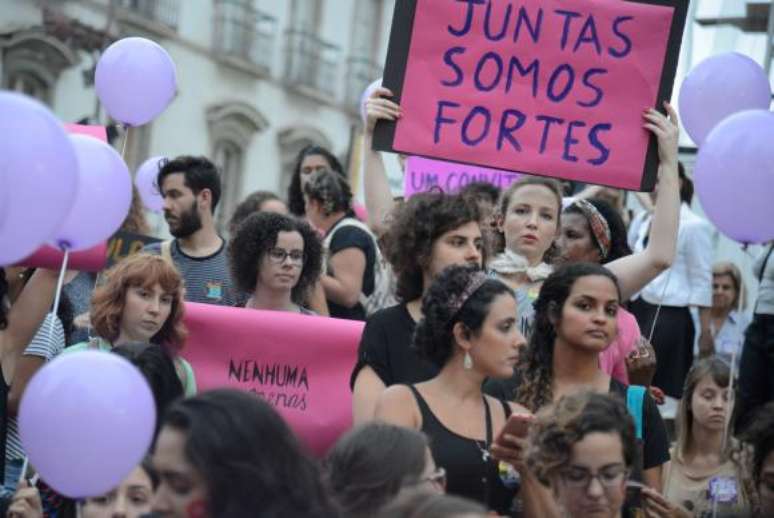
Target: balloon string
point(126, 139)
point(658, 308)
point(58, 293)
point(731, 392)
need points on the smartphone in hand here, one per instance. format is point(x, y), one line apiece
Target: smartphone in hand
point(517, 425)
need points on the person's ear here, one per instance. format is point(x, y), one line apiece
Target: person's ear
point(205, 198)
point(462, 336)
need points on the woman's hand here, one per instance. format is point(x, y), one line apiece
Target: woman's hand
point(641, 363)
point(25, 502)
point(378, 107)
point(513, 450)
point(656, 506)
point(667, 132)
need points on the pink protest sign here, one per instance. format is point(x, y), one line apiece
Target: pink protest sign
point(300, 364)
point(92, 259)
point(554, 88)
point(98, 132)
point(424, 174)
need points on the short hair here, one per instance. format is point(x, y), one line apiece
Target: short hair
point(295, 196)
point(250, 205)
point(416, 227)
point(732, 270)
point(434, 334)
point(256, 235)
point(560, 426)
point(421, 503)
point(145, 270)
point(243, 473)
point(158, 369)
point(198, 173)
point(331, 190)
point(370, 464)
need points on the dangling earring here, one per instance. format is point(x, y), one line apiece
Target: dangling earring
point(467, 363)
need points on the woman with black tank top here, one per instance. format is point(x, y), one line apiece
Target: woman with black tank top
point(469, 331)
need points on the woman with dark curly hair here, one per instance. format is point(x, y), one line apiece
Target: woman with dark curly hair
point(277, 259)
point(430, 232)
point(469, 332)
point(229, 454)
point(141, 300)
point(575, 320)
point(760, 435)
point(312, 159)
point(583, 447)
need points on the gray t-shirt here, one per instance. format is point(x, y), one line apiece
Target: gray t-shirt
point(46, 345)
point(207, 279)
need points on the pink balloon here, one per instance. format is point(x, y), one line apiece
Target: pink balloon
point(734, 176)
point(40, 176)
point(86, 420)
point(718, 87)
point(146, 181)
point(135, 80)
point(103, 198)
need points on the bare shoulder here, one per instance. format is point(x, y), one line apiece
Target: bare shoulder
point(397, 405)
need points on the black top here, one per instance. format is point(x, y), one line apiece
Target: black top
point(352, 237)
point(470, 471)
point(655, 445)
point(385, 346)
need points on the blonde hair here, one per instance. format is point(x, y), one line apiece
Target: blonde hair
point(730, 269)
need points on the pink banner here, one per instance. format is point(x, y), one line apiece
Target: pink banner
point(424, 174)
point(300, 364)
point(90, 260)
point(98, 132)
point(555, 88)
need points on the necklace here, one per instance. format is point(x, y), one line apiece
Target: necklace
point(483, 447)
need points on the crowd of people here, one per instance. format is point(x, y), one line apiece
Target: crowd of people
point(538, 351)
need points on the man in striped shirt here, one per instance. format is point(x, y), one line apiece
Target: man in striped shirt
point(190, 187)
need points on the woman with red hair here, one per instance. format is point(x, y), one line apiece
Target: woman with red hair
point(141, 300)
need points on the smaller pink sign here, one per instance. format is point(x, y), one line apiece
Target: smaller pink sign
point(98, 132)
point(92, 259)
point(425, 174)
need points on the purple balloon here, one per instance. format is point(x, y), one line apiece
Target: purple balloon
point(40, 176)
point(103, 199)
point(135, 80)
point(86, 420)
point(146, 181)
point(718, 87)
point(734, 176)
point(366, 94)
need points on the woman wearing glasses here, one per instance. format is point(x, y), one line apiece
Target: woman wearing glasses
point(276, 259)
point(584, 448)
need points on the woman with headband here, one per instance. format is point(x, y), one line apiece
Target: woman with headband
point(469, 331)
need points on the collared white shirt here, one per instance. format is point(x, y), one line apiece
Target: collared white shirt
point(730, 336)
point(689, 281)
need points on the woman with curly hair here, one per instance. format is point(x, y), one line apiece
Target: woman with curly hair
point(141, 300)
point(430, 232)
point(584, 448)
point(760, 436)
point(311, 159)
point(469, 332)
point(575, 320)
point(277, 259)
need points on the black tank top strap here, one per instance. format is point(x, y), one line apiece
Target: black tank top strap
point(488, 417)
point(428, 418)
point(506, 409)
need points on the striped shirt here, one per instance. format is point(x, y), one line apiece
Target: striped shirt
point(44, 345)
point(207, 279)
